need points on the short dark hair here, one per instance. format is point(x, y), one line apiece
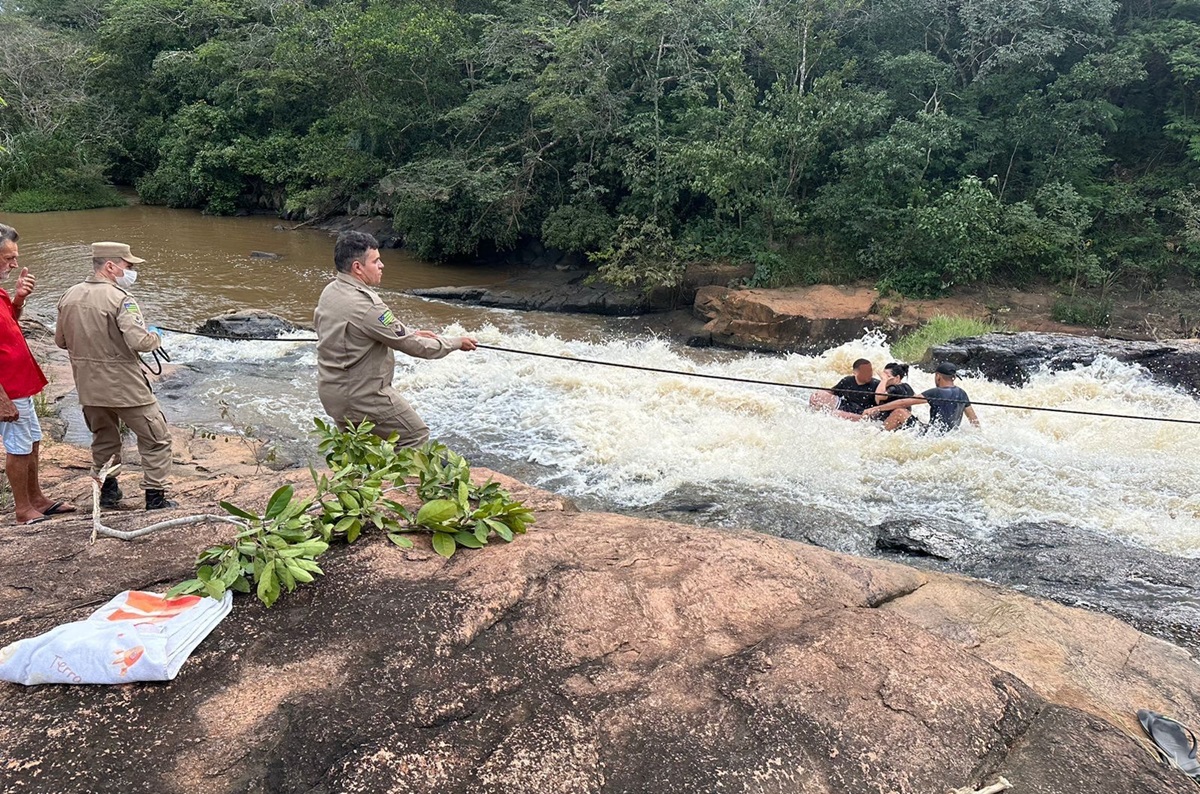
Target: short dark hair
point(8, 234)
point(897, 368)
point(860, 362)
point(351, 246)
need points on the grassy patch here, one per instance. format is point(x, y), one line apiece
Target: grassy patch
point(938, 331)
point(1082, 310)
point(44, 200)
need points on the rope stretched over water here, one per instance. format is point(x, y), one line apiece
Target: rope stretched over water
point(729, 378)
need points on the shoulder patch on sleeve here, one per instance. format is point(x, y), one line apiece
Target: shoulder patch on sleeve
point(387, 319)
point(130, 305)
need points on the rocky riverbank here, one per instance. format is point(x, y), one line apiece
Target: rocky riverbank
point(598, 653)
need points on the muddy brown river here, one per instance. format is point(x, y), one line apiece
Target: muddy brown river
point(198, 266)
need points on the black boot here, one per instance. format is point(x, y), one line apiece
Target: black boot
point(156, 499)
point(110, 493)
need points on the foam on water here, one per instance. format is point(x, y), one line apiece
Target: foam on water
point(631, 438)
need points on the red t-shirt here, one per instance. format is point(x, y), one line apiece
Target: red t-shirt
point(20, 375)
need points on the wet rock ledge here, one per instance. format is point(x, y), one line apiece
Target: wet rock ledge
point(599, 653)
point(1013, 357)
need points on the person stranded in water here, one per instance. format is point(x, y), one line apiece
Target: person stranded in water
point(891, 388)
point(947, 403)
point(851, 396)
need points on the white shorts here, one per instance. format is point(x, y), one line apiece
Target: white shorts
point(19, 436)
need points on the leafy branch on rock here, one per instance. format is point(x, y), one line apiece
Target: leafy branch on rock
point(278, 549)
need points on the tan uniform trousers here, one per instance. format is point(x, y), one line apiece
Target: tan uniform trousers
point(153, 439)
point(390, 413)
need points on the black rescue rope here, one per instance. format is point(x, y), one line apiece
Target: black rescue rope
point(731, 378)
point(160, 357)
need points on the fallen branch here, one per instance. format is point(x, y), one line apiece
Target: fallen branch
point(174, 522)
point(1000, 785)
point(99, 528)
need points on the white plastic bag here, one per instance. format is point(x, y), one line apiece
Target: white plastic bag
point(137, 636)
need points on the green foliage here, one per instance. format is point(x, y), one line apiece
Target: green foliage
point(47, 200)
point(277, 550)
point(922, 144)
point(645, 254)
point(1082, 310)
point(938, 331)
point(456, 511)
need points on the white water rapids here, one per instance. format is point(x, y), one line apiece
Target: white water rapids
point(627, 439)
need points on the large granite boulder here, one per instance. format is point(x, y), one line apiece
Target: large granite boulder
point(247, 324)
point(794, 318)
point(599, 653)
point(1013, 357)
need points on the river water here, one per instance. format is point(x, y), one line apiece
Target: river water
point(625, 440)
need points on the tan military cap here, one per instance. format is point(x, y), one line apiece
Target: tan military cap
point(115, 251)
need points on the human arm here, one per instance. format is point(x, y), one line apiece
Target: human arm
point(379, 324)
point(8, 409)
point(907, 402)
point(969, 412)
point(133, 328)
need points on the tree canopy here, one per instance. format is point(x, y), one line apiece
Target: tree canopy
point(921, 143)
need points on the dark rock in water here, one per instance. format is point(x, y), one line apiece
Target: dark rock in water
point(379, 228)
point(1159, 593)
point(571, 290)
point(251, 324)
point(550, 291)
point(942, 540)
point(1013, 358)
point(264, 255)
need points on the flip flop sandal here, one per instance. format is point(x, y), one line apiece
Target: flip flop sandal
point(1175, 741)
point(56, 509)
point(37, 520)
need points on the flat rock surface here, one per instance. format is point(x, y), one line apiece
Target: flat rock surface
point(598, 653)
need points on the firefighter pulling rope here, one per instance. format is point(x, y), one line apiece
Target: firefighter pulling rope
point(728, 378)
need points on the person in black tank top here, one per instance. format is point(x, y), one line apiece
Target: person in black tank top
point(892, 387)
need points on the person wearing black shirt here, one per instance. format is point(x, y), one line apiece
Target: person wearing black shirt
point(948, 403)
point(892, 387)
point(851, 395)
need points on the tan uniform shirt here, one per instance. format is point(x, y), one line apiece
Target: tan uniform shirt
point(102, 328)
point(356, 335)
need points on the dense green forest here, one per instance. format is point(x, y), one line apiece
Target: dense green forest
point(920, 143)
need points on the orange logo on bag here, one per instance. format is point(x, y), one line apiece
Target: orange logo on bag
point(152, 608)
point(127, 659)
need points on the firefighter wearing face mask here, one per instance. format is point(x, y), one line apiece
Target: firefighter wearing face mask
point(102, 328)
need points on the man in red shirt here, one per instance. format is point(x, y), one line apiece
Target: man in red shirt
point(20, 379)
